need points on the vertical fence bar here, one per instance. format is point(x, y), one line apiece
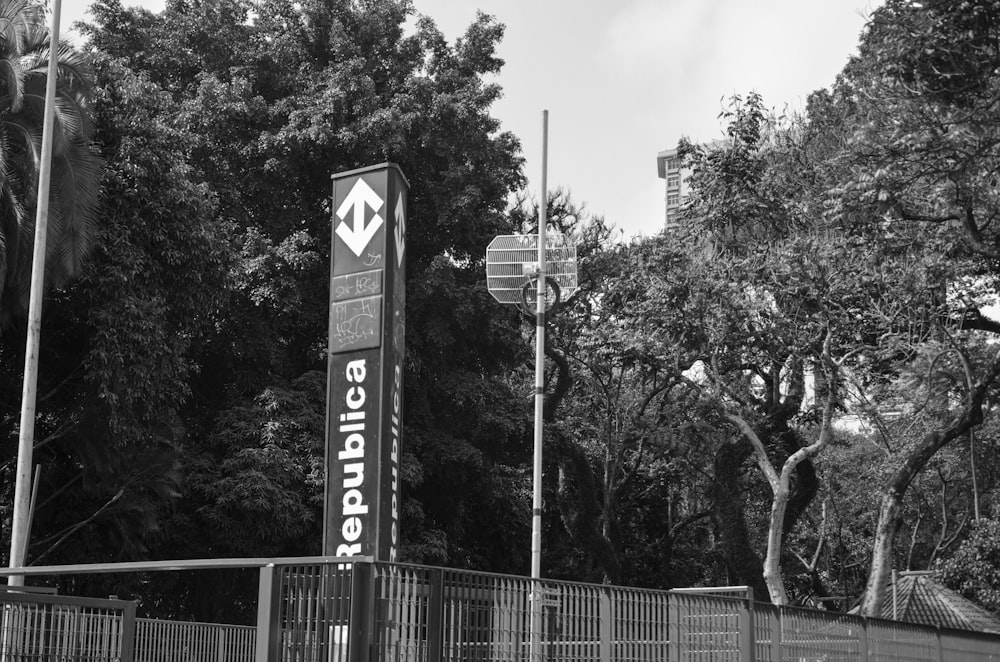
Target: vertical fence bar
point(747, 643)
point(268, 613)
point(362, 613)
point(674, 628)
point(220, 650)
point(128, 632)
point(435, 616)
point(863, 640)
point(774, 620)
point(604, 624)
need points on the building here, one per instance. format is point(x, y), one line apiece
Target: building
point(668, 165)
point(671, 169)
point(915, 597)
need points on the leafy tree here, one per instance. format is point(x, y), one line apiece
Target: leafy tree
point(918, 168)
point(974, 568)
point(119, 342)
point(769, 282)
point(76, 167)
point(775, 297)
point(273, 97)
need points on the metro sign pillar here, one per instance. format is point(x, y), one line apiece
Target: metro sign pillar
point(365, 363)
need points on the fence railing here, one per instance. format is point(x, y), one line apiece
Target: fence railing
point(354, 610)
point(181, 641)
point(409, 613)
point(43, 627)
point(791, 633)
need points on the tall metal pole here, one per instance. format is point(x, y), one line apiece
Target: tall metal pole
point(26, 440)
point(536, 502)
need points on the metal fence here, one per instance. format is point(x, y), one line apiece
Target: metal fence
point(44, 627)
point(402, 613)
point(715, 628)
point(180, 641)
point(357, 610)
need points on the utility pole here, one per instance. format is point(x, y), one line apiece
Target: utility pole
point(20, 523)
point(515, 263)
point(536, 500)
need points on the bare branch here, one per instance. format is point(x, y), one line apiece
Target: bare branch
point(70, 530)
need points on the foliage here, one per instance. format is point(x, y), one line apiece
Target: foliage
point(974, 568)
point(834, 264)
point(119, 341)
point(269, 99)
point(75, 165)
point(918, 157)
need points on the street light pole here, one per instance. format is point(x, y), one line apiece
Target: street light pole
point(540, 287)
point(536, 501)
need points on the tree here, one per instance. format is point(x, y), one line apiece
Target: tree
point(921, 149)
point(76, 166)
point(271, 103)
point(777, 298)
point(120, 341)
point(974, 568)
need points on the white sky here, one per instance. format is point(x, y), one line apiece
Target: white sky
point(624, 79)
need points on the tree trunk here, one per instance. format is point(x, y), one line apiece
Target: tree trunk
point(781, 486)
point(888, 521)
point(580, 508)
point(772, 560)
point(804, 487)
point(742, 561)
point(878, 576)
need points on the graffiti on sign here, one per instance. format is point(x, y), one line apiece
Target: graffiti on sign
point(355, 324)
point(353, 286)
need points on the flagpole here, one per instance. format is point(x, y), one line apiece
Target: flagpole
point(22, 487)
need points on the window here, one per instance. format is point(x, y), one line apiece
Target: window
point(673, 200)
point(673, 181)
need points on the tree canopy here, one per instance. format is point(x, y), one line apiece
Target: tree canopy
point(794, 391)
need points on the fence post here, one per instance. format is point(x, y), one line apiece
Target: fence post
point(776, 620)
point(435, 616)
point(268, 614)
point(128, 632)
point(674, 627)
point(746, 629)
point(606, 624)
point(361, 629)
point(863, 640)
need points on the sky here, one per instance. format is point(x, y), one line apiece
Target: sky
point(624, 79)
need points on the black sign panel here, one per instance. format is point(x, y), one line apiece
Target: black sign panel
point(365, 381)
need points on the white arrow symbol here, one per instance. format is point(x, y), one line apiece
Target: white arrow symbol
point(400, 230)
point(357, 235)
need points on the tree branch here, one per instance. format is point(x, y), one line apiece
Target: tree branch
point(70, 530)
point(758, 448)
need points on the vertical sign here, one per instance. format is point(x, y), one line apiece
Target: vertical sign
point(365, 365)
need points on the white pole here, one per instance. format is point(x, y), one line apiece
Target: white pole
point(26, 440)
point(536, 502)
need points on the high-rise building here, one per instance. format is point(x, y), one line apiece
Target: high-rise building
point(668, 165)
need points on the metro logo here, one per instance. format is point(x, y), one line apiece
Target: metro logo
point(358, 235)
point(400, 231)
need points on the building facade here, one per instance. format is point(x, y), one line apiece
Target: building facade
point(668, 166)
